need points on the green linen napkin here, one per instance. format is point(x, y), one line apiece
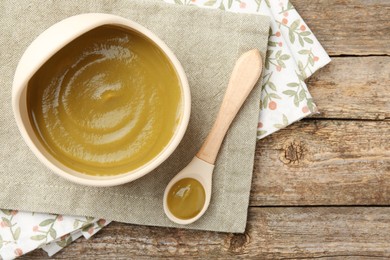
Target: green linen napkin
point(207, 43)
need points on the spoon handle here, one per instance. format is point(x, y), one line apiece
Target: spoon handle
point(245, 74)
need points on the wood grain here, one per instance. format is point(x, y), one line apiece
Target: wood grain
point(353, 88)
point(352, 27)
point(319, 162)
point(271, 233)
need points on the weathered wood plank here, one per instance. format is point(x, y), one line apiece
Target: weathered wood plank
point(317, 162)
point(271, 233)
point(360, 27)
point(353, 87)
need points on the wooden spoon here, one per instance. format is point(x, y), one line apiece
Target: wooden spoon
point(188, 198)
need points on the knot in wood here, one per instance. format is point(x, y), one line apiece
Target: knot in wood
point(238, 242)
point(293, 152)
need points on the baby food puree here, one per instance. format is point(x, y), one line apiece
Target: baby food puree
point(107, 103)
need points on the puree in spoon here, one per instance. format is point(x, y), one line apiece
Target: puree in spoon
point(106, 103)
point(186, 198)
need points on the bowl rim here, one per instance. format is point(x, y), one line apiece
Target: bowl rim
point(30, 62)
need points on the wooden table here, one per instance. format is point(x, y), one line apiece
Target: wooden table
point(321, 187)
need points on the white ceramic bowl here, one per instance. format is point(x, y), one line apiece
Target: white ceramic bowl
point(44, 47)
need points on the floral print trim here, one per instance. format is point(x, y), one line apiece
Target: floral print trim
point(87, 231)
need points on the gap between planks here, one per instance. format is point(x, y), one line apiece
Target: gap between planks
point(345, 119)
point(359, 55)
point(321, 206)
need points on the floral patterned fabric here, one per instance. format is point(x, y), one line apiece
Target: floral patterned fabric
point(22, 232)
point(293, 55)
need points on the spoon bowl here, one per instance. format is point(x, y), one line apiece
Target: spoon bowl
point(200, 171)
point(246, 73)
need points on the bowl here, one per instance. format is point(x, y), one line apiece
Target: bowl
point(50, 42)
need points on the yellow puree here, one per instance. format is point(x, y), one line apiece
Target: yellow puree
point(186, 198)
point(106, 103)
